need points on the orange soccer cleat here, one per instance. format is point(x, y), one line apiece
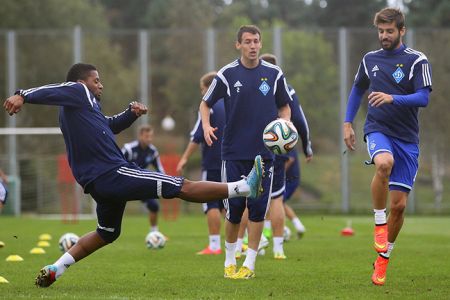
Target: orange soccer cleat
point(379, 273)
point(380, 238)
point(209, 251)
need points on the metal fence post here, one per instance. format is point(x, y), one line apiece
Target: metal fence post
point(343, 93)
point(278, 45)
point(144, 78)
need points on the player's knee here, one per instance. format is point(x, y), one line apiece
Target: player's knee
point(398, 207)
point(153, 206)
point(108, 236)
point(384, 167)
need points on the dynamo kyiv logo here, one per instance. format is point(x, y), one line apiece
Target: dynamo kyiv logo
point(398, 75)
point(264, 88)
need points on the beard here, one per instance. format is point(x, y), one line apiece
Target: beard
point(391, 46)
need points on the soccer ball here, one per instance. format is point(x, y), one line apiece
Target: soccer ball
point(155, 240)
point(280, 136)
point(67, 240)
point(286, 233)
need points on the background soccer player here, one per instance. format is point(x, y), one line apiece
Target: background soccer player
point(3, 190)
point(276, 211)
point(211, 165)
point(100, 168)
point(255, 93)
point(399, 82)
point(144, 154)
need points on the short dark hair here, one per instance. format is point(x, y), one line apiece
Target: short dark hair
point(269, 58)
point(388, 15)
point(248, 28)
point(79, 71)
point(144, 128)
point(207, 78)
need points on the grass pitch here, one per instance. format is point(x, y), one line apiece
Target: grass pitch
point(323, 265)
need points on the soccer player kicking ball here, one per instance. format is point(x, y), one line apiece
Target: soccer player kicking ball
point(254, 93)
point(100, 168)
point(399, 82)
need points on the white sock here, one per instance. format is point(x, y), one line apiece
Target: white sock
point(230, 259)
point(278, 244)
point(239, 244)
point(65, 261)
point(214, 242)
point(238, 189)
point(250, 259)
point(154, 228)
point(298, 225)
point(390, 247)
point(380, 216)
point(267, 224)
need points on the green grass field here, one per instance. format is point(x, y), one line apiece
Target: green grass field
point(321, 265)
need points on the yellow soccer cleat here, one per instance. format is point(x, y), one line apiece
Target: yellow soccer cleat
point(379, 273)
point(279, 256)
point(244, 273)
point(230, 271)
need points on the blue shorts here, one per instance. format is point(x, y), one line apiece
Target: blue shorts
point(152, 205)
point(3, 193)
point(279, 177)
point(406, 159)
point(291, 185)
point(112, 190)
point(257, 208)
point(212, 175)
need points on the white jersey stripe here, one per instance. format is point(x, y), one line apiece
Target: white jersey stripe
point(48, 86)
point(224, 80)
point(150, 175)
point(147, 177)
point(210, 89)
point(226, 205)
point(197, 124)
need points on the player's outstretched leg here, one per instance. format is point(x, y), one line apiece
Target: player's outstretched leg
point(254, 178)
point(46, 277)
point(379, 272)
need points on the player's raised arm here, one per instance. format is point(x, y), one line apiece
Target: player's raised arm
point(123, 120)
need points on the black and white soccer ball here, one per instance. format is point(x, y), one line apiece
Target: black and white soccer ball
point(67, 240)
point(280, 136)
point(155, 240)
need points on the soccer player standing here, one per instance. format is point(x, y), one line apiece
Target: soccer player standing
point(211, 165)
point(399, 82)
point(100, 168)
point(143, 153)
point(254, 93)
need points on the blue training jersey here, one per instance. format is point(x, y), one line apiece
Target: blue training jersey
point(143, 157)
point(88, 134)
point(402, 71)
point(252, 98)
point(211, 155)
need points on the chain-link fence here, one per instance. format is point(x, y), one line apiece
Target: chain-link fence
point(163, 67)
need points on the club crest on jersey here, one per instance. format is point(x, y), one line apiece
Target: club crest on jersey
point(264, 87)
point(398, 74)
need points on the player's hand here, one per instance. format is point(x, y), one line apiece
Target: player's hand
point(181, 165)
point(309, 158)
point(139, 109)
point(13, 104)
point(377, 99)
point(208, 134)
point(349, 136)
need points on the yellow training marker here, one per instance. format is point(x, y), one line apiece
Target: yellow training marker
point(43, 244)
point(37, 250)
point(45, 237)
point(3, 280)
point(14, 257)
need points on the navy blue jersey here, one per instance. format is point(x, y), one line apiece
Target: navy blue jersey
point(88, 134)
point(211, 155)
point(252, 98)
point(399, 72)
point(299, 120)
point(143, 157)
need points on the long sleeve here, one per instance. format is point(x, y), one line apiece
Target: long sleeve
point(121, 121)
point(69, 94)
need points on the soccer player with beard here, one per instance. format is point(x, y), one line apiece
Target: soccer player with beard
point(398, 79)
